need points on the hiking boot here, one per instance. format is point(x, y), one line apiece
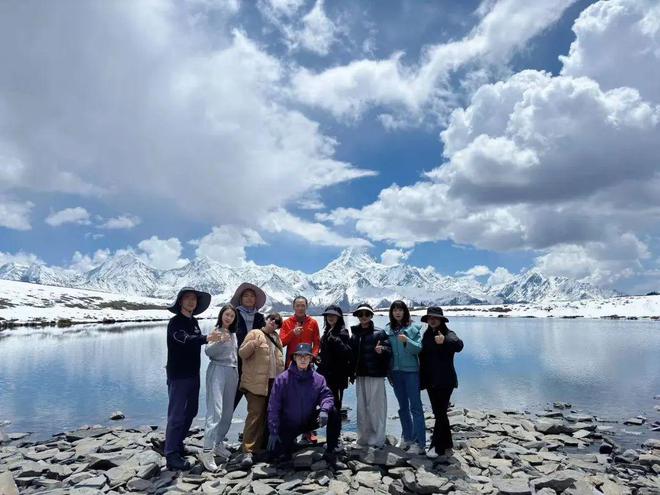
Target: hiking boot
point(247, 461)
point(177, 463)
point(432, 453)
point(415, 449)
point(403, 444)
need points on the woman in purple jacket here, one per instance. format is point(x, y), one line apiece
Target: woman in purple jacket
point(300, 401)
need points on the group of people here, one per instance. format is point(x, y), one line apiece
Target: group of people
point(294, 377)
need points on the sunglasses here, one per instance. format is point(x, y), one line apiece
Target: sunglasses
point(362, 313)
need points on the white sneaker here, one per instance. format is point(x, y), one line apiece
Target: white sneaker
point(208, 461)
point(221, 451)
point(403, 444)
point(431, 453)
point(415, 449)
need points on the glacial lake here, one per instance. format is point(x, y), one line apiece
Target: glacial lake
point(55, 380)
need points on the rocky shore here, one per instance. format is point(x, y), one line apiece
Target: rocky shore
point(504, 452)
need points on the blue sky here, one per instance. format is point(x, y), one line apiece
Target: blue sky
point(464, 135)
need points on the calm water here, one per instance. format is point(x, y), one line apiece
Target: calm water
point(54, 380)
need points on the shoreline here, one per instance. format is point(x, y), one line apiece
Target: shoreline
point(506, 452)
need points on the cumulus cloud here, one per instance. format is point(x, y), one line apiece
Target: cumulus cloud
point(392, 257)
point(227, 244)
point(315, 233)
point(163, 254)
point(19, 257)
point(612, 46)
point(83, 262)
point(120, 222)
point(77, 215)
point(205, 108)
point(15, 214)
point(555, 164)
point(476, 271)
point(349, 90)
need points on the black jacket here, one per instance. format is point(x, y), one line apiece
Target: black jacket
point(184, 344)
point(436, 361)
point(366, 361)
point(335, 357)
point(242, 330)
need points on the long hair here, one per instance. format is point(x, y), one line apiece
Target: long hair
point(227, 307)
point(340, 319)
point(406, 315)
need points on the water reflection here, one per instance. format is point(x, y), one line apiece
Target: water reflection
point(53, 379)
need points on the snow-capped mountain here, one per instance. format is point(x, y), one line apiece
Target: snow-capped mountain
point(353, 277)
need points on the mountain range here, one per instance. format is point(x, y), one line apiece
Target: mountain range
point(351, 278)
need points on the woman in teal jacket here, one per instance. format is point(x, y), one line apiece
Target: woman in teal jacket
point(406, 340)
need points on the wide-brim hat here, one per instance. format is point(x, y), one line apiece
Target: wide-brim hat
point(203, 301)
point(261, 295)
point(436, 312)
point(332, 311)
point(363, 307)
point(304, 349)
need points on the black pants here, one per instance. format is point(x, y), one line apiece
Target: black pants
point(182, 408)
point(441, 439)
point(334, 418)
point(289, 432)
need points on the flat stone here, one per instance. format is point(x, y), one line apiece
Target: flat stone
point(634, 421)
point(338, 487)
point(652, 443)
point(96, 482)
point(578, 418)
point(117, 415)
point(428, 482)
point(581, 434)
point(289, 485)
point(549, 427)
point(73, 436)
point(42, 455)
point(648, 459)
point(386, 456)
point(235, 475)
point(7, 484)
point(119, 475)
point(558, 481)
point(260, 488)
point(32, 468)
point(368, 478)
point(58, 471)
point(263, 470)
point(512, 486)
point(148, 471)
point(139, 485)
point(306, 457)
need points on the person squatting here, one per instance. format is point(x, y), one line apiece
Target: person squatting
point(293, 377)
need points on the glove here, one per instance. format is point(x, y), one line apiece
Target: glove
point(323, 418)
point(273, 440)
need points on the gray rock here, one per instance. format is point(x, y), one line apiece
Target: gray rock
point(119, 475)
point(512, 486)
point(628, 456)
point(117, 415)
point(634, 421)
point(289, 485)
point(139, 485)
point(648, 459)
point(429, 482)
point(306, 457)
point(549, 427)
point(578, 418)
point(260, 488)
point(31, 468)
point(86, 433)
point(338, 487)
point(386, 456)
point(96, 482)
point(652, 443)
point(7, 484)
point(558, 481)
point(397, 488)
point(148, 471)
point(58, 471)
point(368, 478)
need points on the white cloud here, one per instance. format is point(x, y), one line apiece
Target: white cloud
point(205, 105)
point(500, 276)
point(84, 263)
point(163, 254)
point(314, 233)
point(227, 244)
point(349, 90)
point(557, 165)
point(15, 214)
point(19, 257)
point(120, 222)
point(318, 32)
point(476, 271)
point(77, 215)
point(391, 257)
point(310, 203)
point(281, 7)
point(612, 46)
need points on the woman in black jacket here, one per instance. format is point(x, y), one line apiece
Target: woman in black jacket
point(335, 358)
point(372, 353)
point(438, 375)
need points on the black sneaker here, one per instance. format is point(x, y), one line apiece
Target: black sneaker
point(177, 463)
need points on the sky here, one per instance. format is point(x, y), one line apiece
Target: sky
point(483, 138)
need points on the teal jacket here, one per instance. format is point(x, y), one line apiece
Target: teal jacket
point(405, 356)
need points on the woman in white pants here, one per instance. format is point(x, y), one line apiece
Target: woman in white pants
point(221, 385)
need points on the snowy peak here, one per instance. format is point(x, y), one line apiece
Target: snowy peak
point(354, 276)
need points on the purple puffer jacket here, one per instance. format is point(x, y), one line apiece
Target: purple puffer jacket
point(294, 398)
